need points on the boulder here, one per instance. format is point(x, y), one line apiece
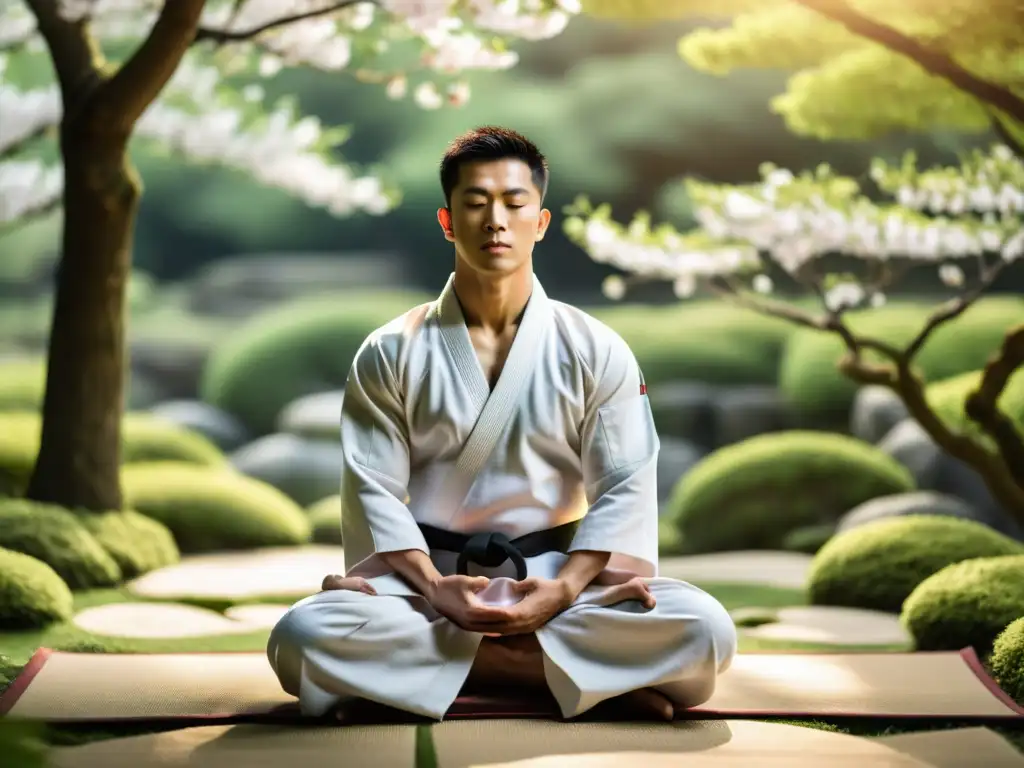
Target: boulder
point(902, 504)
point(316, 416)
point(675, 459)
point(220, 428)
point(742, 412)
point(304, 470)
point(876, 410)
point(685, 410)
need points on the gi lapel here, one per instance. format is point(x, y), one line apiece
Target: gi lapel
point(499, 405)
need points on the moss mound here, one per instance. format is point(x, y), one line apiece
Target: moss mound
point(752, 494)
point(703, 341)
point(137, 543)
point(809, 539)
point(32, 594)
point(209, 509)
point(144, 438)
point(810, 380)
point(877, 565)
point(966, 604)
point(57, 537)
point(670, 542)
point(1007, 660)
point(325, 518)
point(296, 349)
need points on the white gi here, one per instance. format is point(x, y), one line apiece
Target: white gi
point(566, 435)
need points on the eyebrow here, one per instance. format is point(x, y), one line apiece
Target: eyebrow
point(506, 193)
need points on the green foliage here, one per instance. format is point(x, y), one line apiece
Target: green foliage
point(57, 537)
point(1007, 660)
point(300, 348)
point(809, 539)
point(22, 744)
point(752, 494)
point(138, 544)
point(32, 595)
point(966, 604)
point(325, 518)
point(809, 376)
point(22, 382)
point(701, 341)
point(144, 438)
point(209, 509)
point(878, 565)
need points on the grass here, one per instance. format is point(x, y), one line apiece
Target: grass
point(17, 647)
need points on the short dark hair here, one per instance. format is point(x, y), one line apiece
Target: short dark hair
point(491, 143)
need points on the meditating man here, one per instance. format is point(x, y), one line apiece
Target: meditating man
point(499, 503)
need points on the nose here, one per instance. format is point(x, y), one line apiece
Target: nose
point(495, 219)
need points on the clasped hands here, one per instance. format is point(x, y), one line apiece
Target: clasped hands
point(457, 598)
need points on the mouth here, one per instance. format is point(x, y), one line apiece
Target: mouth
point(495, 247)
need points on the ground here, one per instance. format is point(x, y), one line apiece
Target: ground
point(751, 603)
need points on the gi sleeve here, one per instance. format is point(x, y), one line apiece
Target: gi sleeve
point(375, 469)
point(619, 450)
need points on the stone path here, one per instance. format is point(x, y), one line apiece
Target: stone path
point(764, 568)
point(827, 624)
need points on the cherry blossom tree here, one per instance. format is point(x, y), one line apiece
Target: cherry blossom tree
point(965, 221)
point(167, 81)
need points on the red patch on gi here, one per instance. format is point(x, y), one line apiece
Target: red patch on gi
point(643, 389)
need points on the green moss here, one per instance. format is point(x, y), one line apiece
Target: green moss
point(877, 565)
point(808, 539)
point(22, 382)
point(57, 537)
point(670, 541)
point(752, 494)
point(293, 350)
point(210, 509)
point(22, 745)
point(703, 341)
point(947, 398)
point(1007, 660)
point(19, 445)
point(32, 594)
point(811, 381)
point(137, 543)
point(325, 517)
point(966, 604)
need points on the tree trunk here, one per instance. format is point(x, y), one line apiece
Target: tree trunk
point(80, 453)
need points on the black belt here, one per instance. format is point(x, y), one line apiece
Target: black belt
point(491, 550)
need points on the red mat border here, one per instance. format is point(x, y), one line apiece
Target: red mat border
point(458, 711)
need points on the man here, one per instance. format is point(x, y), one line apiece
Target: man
point(498, 492)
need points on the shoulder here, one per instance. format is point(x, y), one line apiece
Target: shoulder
point(598, 346)
point(384, 350)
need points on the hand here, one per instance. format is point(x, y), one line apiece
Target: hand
point(455, 598)
point(350, 583)
point(541, 600)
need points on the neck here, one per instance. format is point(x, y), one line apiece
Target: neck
point(493, 301)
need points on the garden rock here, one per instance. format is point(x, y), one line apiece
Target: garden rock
point(220, 428)
point(833, 626)
point(764, 568)
point(285, 574)
point(902, 504)
point(158, 620)
point(742, 412)
point(934, 470)
point(685, 410)
point(675, 459)
point(177, 366)
point(316, 417)
point(304, 470)
point(876, 410)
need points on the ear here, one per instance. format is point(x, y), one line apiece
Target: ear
point(444, 218)
point(543, 222)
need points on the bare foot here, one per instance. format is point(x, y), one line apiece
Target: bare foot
point(647, 701)
point(350, 583)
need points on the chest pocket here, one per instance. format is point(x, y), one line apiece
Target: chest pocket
point(626, 432)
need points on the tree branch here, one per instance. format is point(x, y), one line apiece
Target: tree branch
point(77, 58)
point(16, 145)
point(933, 61)
point(953, 309)
point(221, 36)
point(1004, 134)
point(122, 100)
point(982, 406)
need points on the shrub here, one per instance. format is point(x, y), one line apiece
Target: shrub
point(32, 595)
point(296, 349)
point(209, 509)
point(751, 494)
point(947, 398)
point(1007, 660)
point(137, 543)
point(144, 437)
point(809, 376)
point(877, 565)
point(56, 537)
point(809, 539)
point(966, 604)
point(709, 342)
point(325, 517)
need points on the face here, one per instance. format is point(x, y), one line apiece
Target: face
point(495, 217)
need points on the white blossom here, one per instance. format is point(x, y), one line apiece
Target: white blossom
point(951, 275)
point(613, 287)
point(763, 284)
point(844, 296)
point(28, 187)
